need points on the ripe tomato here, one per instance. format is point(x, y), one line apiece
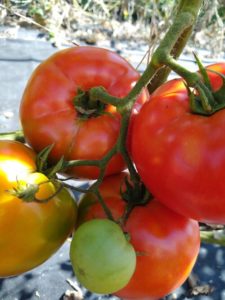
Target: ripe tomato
point(48, 114)
point(30, 232)
point(165, 242)
point(173, 86)
point(102, 258)
point(180, 156)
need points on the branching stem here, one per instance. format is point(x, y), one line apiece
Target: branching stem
point(163, 60)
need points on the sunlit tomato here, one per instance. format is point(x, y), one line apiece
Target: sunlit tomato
point(216, 80)
point(102, 258)
point(173, 86)
point(30, 231)
point(166, 243)
point(180, 156)
point(48, 114)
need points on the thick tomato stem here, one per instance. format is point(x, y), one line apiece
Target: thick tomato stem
point(163, 59)
point(100, 92)
point(122, 147)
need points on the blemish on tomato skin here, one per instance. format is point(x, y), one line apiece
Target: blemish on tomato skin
point(81, 272)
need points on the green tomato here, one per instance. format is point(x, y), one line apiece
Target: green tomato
point(102, 258)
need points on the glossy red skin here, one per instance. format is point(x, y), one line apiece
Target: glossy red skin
point(166, 242)
point(180, 156)
point(48, 115)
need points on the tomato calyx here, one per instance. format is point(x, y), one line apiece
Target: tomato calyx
point(43, 165)
point(206, 101)
point(42, 158)
point(86, 107)
point(134, 195)
point(26, 192)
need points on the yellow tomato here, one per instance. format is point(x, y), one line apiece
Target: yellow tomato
point(30, 231)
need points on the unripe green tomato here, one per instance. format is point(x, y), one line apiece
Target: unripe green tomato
point(102, 258)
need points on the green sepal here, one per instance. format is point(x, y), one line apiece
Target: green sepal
point(135, 195)
point(59, 166)
point(25, 192)
point(203, 72)
point(195, 102)
point(42, 158)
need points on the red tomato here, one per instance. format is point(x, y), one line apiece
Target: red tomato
point(48, 114)
point(180, 156)
point(173, 86)
point(166, 243)
point(215, 80)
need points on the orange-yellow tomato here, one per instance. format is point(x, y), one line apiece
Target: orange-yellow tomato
point(30, 232)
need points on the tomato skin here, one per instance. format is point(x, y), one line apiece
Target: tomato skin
point(102, 258)
point(173, 86)
point(215, 80)
point(30, 232)
point(48, 115)
point(167, 244)
point(180, 156)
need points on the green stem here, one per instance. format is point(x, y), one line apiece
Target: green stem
point(104, 206)
point(175, 39)
point(80, 163)
point(14, 136)
point(122, 147)
point(213, 237)
point(103, 165)
point(182, 38)
point(193, 80)
point(184, 20)
point(106, 98)
point(171, 46)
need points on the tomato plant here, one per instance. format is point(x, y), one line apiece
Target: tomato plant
point(83, 102)
point(102, 258)
point(49, 114)
point(167, 138)
point(31, 231)
point(166, 243)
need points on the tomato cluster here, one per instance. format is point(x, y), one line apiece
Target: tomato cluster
point(124, 242)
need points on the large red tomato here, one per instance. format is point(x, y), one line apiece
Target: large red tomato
point(180, 156)
point(49, 116)
point(165, 242)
